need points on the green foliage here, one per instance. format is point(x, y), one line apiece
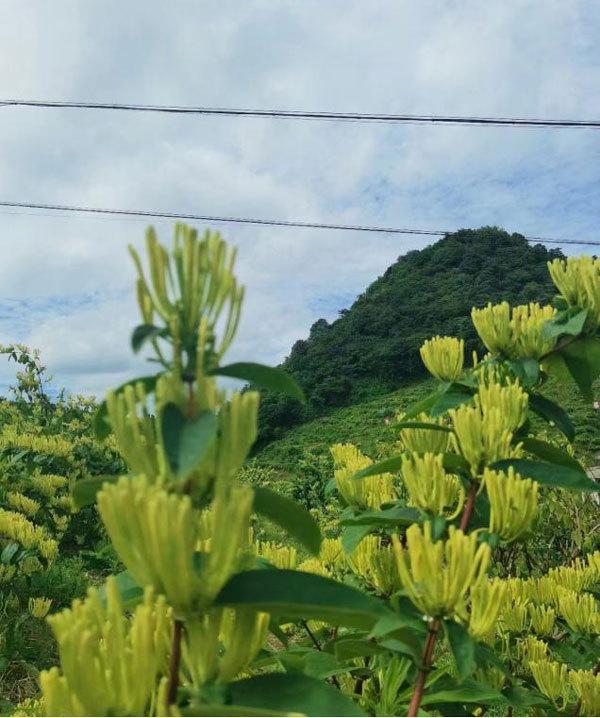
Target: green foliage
point(373, 347)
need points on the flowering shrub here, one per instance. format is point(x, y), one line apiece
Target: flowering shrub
point(404, 612)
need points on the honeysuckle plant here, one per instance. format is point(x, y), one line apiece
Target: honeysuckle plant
point(402, 612)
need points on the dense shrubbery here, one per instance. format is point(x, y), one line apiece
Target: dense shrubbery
point(373, 347)
point(455, 570)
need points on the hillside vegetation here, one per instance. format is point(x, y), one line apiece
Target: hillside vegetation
point(373, 347)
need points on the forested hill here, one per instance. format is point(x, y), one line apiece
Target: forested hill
point(373, 347)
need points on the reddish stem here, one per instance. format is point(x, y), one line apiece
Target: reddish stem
point(174, 662)
point(434, 626)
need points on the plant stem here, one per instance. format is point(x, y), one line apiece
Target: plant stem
point(174, 662)
point(415, 703)
point(313, 638)
point(434, 626)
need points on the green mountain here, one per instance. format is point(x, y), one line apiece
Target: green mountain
point(373, 347)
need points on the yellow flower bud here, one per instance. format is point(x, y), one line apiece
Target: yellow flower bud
point(109, 663)
point(280, 556)
point(375, 561)
point(578, 281)
point(22, 503)
point(551, 677)
point(332, 554)
point(437, 575)
point(508, 398)
point(362, 493)
point(314, 565)
point(514, 616)
point(155, 534)
point(16, 527)
point(444, 357)
point(580, 611)
point(480, 438)
point(587, 688)
point(39, 607)
point(429, 487)
point(422, 440)
point(542, 619)
point(514, 333)
point(532, 649)
point(513, 502)
point(486, 601)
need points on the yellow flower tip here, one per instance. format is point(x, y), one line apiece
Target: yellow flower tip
point(39, 607)
point(437, 575)
point(552, 678)
point(444, 357)
point(578, 281)
point(513, 502)
point(486, 601)
point(429, 486)
point(370, 492)
point(516, 332)
point(587, 687)
point(422, 440)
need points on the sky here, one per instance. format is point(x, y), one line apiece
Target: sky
point(66, 282)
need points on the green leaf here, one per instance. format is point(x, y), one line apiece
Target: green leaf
point(466, 692)
point(292, 693)
point(307, 660)
point(463, 648)
point(553, 413)
point(551, 453)
point(450, 400)
point(527, 370)
point(291, 516)
point(423, 425)
point(549, 474)
point(263, 377)
point(582, 358)
point(570, 321)
point(349, 648)
point(187, 441)
point(353, 535)
point(8, 552)
point(131, 593)
point(455, 463)
point(438, 527)
point(297, 594)
point(84, 491)
point(101, 423)
point(397, 516)
point(143, 332)
point(386, 466)
point(521, 697)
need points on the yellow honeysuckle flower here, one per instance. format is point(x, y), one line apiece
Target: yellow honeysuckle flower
point(482, 438)
point(578, 281)
point(437, 575)
point(574, 577)
point(580, 611)
point(542, 619)
point(514, 333)
point(23, 503)
point(279, 556)
point(12, 438)
point(508, 398)
point(375, 561)
point(514, 616)
point(552, 678)
point(532, 649)
point(422, 440)
point(332, 553)
point(17, 528)
point(48, 484)
point(362, 493)
point(155, 534)
point(513, 502)
point(587, 688)
point(39, 607)
point(444, 357)
point(314, 565)
point(429, 487)
point(487, 599)
point(110, 664)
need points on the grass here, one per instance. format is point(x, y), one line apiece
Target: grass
point(367, 425)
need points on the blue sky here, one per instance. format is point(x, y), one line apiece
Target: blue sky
point(66, 282)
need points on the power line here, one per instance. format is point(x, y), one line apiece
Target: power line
point(266, 222)
point(309, 115)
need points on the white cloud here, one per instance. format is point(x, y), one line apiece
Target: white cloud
point(435, 56)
